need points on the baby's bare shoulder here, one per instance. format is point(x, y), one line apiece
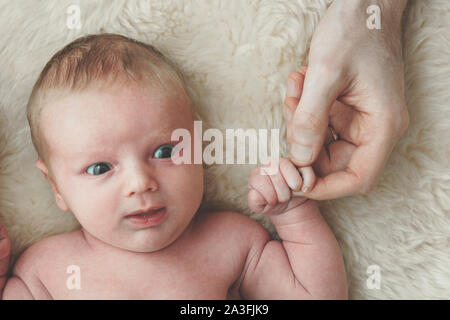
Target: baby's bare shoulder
point(233, 225)
point(38, 256)
point(37, 263)
point(236, 236)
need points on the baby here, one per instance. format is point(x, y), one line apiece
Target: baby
point(101, 116)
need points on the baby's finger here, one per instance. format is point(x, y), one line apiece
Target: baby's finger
point(256, 201)
point(281, 187)
point(309, 178)
point(291, 174)
point(263, 184)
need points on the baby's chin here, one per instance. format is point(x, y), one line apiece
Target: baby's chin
point(147, 247)
point(147, 240)
point(144, 248)
point(139, 246)
point(144, 240)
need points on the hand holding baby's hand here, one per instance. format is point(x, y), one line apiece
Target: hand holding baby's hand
point(271, 191)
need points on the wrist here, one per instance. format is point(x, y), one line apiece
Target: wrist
point(292, 215)
point(298, 224)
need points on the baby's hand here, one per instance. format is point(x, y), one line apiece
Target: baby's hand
point(273, 194)
point(5, 248)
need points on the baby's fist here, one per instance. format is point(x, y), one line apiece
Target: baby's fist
point(270, 187)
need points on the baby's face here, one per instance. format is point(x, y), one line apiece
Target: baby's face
point(109, 152)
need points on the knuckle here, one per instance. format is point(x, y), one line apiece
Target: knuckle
point(255, 173)
point(398, 122)
point(260, 182)
point(277, 178)
point(257, 182)
point(284, 163)
point(272, 200)
point(253, 196)
point(327, 64)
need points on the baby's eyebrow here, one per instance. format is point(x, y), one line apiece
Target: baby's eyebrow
point(155, 139)
point(81, 159)
point(88, 154)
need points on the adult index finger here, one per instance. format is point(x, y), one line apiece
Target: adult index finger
point(359, 177)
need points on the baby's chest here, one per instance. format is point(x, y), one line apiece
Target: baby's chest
point(155, 285)
point(194, 278)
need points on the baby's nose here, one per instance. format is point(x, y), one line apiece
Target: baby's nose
point(140, 181)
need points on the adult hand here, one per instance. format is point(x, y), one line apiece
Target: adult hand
point(362, 69)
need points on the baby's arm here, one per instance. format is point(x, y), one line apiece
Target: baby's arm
point(14, 287)
point(307, 264)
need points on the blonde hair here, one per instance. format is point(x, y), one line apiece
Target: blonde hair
point(95, 61)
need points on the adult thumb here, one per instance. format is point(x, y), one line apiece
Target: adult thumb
point(310, 121)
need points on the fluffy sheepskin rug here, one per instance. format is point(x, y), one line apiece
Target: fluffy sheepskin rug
point(236, 56)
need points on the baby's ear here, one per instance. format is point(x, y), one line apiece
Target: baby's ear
point(59, 199)
point(41, 166)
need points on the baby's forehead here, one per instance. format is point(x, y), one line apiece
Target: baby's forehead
point(128, 99)
point(101, 116)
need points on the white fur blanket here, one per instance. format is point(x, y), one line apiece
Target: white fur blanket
point(236, 56)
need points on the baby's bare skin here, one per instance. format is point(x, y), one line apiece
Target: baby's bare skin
point(183, 256)
point(203, 263)
point(213, 259)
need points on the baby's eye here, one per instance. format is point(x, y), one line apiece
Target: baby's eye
point(164, 151)
point(98, 168)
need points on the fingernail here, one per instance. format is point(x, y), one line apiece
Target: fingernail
point(294, 186)
point(300, 153)
point(305, 189)
point(292, 89)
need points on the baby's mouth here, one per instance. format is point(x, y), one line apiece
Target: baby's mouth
point(144, 214)
point(147, 218)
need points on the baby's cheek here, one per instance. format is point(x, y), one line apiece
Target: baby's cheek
point(187, 184)
point(91, 207)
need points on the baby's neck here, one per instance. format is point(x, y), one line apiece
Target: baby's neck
point(95, 244)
